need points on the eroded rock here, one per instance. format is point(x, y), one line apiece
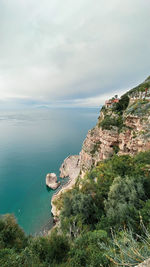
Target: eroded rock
point(100, 143)
point(51, 181)
point(70, 167)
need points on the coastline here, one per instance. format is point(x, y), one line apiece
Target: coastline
point(71, 169)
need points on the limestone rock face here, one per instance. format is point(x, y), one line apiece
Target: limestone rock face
point(51, 181)
point(70, 167)
point(100, 143)
point(97, 146)
point(136, 138)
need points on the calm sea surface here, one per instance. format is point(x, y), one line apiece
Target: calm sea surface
point(33, 143)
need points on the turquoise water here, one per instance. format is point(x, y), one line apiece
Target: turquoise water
point(33, 143)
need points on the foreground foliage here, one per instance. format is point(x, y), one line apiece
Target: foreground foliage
point(104, 221)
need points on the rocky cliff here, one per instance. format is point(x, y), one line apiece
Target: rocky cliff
point(123, 127)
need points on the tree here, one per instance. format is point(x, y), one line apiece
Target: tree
point(50, 249)
point(122, 104)
point(88, 250)
point(11, 235)
point(124, 199)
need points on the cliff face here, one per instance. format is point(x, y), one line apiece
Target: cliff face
point(97, 146)
point(101, 144)
point(121, 132)
point(123, 127)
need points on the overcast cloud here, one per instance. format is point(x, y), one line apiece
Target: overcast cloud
point(72, 52)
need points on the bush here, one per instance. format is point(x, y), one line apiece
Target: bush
point(50, 249)
point(80, 205)
point(128, 249)
point(88, 250)
point(8, 257)
point(124, 200)
point(122, 104)
point(11, 235)
point(108, 122)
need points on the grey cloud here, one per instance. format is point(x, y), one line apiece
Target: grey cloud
point(66, 49)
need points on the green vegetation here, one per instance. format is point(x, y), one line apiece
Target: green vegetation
point(140, 88)
point(122, 104)
point(114, 120)
point(95, 148)
point(104, 221)
point(111, 120)
point(139, 108)
point(17, 250)
point(108, 122)
point(128, 249)
point(10, 234)
point(116, 148)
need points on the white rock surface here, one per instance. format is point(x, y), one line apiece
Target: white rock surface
point(51, 181)
point(70, 167)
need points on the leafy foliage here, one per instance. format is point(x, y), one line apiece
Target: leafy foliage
point(124, 200)
point(128, 249)
point(88, 250)
point(122, 104)
point(50, 249)
point(108, 122)
point(139, 108)
point(11, 235)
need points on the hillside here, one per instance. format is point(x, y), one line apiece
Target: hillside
point(123, 128)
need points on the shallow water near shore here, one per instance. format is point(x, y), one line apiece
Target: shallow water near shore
point(33, 143)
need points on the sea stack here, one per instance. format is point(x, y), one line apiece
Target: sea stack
point(51, 181)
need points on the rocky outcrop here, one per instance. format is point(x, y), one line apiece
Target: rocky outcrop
point(100, 143)
point(136, 138)
point(71, 169)
point(51, 181)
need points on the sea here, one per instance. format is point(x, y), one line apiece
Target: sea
point(33, 143)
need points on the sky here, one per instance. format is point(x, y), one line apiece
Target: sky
point(71, 52)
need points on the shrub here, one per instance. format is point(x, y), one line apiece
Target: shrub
point(11, 235)
point(128, 249)
point(79, 204)
point(122, 104)
point(108, 122)
point(50, 249)
point(88, 250)
point(124, 200)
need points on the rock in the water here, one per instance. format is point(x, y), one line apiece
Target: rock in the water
point(51, 181)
